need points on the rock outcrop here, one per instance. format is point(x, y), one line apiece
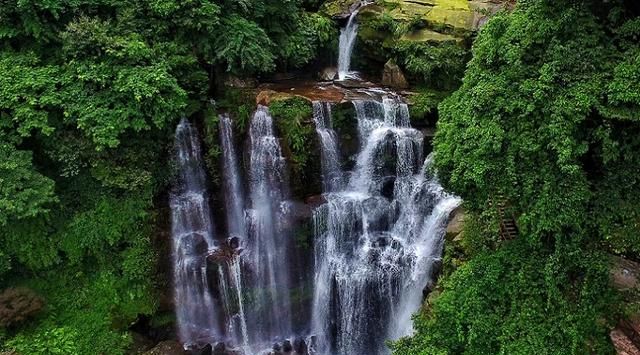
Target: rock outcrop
point(169, 347)
point(456, 224)
point(328, 74)
point(622, 343)
point(393, 76)
point(442, 20)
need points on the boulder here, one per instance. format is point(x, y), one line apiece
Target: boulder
point(220, 349)
point(287, 347)
point(264, 97)
point(393, 76)
point(456, 224)
point(140, 343)
point(622, 343)
point(428, 35)
point(452, 14)
point(328, 74)
point(207, 350)
point(276, 349)
point(315, 201)
point(18, 304)
point(300, 346)
point(169, 347)
point(339, 9)
point(624, 273)
point(483, 9)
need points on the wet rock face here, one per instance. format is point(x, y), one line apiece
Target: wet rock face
point(328, 74)
point(220, 349)
point(315, 201)
point(169, 347)
point(339, 9)
point(298, 347)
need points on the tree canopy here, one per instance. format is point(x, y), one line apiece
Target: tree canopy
point(547, 120)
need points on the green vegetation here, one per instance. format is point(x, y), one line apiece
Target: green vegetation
point(429, 53)
point(89, 98)
point(293, 118)
point(543, 113)
point(547, 118)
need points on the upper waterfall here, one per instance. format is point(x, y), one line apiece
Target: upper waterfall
point(347, 41)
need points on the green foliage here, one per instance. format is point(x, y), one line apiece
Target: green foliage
point(24, 192)
point(239, 104)
point(245, 47)
point(544, 121)
point(438, 65)
point(513, 129)
point(425, 103)
point(51, 341)
point(313, 33)
point(293, 118)
point(518, 300)
point(89, 97)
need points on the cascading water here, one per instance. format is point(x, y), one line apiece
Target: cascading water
point(377, 238)
point(347, 41)
point(330, 155)
point(192, 240)
point(234, 194)
point(231, 271)
point(268, 244)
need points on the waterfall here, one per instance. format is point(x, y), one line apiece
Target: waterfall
point(330, 155)
point(192, 240)
point(378, 237)
point(234, 195)
point(231, 271)
point(268, 244)
point(347, 41)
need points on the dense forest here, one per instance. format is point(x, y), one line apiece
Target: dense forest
point(537, 111)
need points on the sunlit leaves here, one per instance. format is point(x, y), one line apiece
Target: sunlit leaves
point(24, 192)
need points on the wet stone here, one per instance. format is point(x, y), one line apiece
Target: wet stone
point(287, 347)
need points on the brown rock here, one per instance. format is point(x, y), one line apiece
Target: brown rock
point(18, 304)
point(456, 224)
point(392, 76)
point(624, 273)
point(169, 347)
point(264, 96)
point(328, 74)
point(622, 343)
point(315, 201)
